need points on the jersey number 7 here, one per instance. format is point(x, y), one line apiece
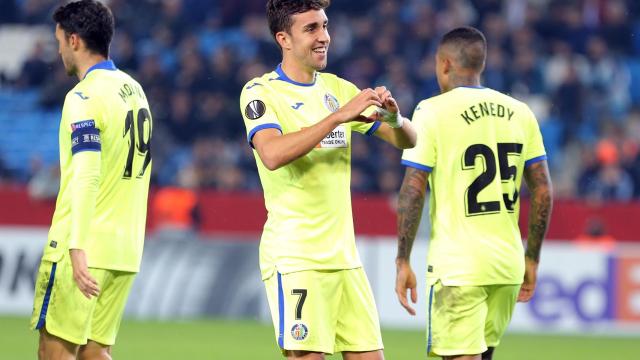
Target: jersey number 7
point(143, 145)
point(507, 173)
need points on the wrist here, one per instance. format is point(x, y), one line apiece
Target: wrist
point(401, 261)
point(337, 118)
point(394, 120)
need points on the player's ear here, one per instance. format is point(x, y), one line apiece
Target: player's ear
point(446, 65)
point(284, 40)
point(74, 41)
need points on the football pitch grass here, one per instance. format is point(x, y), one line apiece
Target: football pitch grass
point(246, 340)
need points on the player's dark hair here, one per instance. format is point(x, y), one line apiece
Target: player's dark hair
point(90, 20)
point(470, 46)
point(279, 12)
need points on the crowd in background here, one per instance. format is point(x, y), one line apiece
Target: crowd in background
point(576, 63)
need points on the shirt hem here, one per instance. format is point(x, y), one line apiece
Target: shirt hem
point(268, 272)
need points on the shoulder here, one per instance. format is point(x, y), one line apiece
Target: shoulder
point(516, 103)
point(335, 80)
point(430, 106)
point(259, 84)
point(80, 95)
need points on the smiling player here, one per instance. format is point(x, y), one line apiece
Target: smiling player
point(299, 122)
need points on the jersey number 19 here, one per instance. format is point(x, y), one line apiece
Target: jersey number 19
point(143, 145)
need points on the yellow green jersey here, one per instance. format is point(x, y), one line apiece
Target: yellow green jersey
point(309, 221)
point(105, 162)
point(475, 142)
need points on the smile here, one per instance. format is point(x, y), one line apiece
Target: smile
point(320, 50)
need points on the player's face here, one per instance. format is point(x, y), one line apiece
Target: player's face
point(309, 39)
point(65, 51)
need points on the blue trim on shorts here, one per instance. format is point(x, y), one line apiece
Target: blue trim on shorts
point(429, 337)
point(47, 296)
point(281, 313)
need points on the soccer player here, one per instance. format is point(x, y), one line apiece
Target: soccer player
point(474, 146)
point(299, 122)
point(95, 242)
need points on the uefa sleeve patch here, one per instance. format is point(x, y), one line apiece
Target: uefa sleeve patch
point(85, 137)
point(255, 109)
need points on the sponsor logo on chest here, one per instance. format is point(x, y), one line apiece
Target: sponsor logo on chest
point(335, 139)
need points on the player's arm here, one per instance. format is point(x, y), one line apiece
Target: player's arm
point(277, 150)
point(410, 204)
point(395, 129)
point(84, 131)
point(539, 183)
point(85, 182)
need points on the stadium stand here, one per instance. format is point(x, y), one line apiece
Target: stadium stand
point(574, 62)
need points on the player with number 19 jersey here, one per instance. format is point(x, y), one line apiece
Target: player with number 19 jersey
point(489, 138)
point(108, 113)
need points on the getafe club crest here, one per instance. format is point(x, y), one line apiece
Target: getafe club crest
point(331, 102)
point(299, 331)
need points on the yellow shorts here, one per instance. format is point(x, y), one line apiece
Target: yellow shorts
point(465, 320)
point(65, 312)
point(324, 311)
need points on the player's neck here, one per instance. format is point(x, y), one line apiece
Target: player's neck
point(297, 72)
point(466, 80)
point(86, 62)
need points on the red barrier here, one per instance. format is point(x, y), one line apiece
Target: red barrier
point(244, 213)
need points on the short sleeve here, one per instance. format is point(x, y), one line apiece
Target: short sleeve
point(423, 155)
point(367, 128)
point(534, 150)
point(257, 109)
point(81, 118)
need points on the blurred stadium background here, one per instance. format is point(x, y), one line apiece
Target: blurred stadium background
point(199, 295)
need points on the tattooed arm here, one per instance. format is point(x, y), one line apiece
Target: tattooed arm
point(539, 184)
point(410, 204)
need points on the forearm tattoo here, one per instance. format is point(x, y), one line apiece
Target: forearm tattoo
point(537, 177)
point(410, 204)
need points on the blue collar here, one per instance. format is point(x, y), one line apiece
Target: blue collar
point(282, 76)
point(473, 87)
point(103, 65)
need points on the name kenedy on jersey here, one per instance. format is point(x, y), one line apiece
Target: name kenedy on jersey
point(483, 109)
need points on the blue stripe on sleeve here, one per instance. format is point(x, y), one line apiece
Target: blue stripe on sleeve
point(47, 297)
point(253, 131)
point(535, 160)
point(417, 166)
point(373, 128)
point(429, 336)
point(280, 313)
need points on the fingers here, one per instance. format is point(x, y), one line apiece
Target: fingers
point(401, 291)
point(365, 119)
point(402, 297)
point(87, 284)
point(526, 293)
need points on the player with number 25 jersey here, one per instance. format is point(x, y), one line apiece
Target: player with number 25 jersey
point(475, 145)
